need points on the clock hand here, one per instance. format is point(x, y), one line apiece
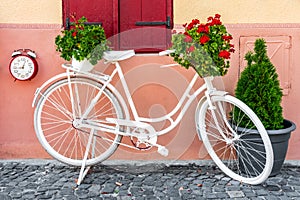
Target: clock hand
point(23, 65)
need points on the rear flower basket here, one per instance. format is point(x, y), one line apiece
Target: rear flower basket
point(204, 46)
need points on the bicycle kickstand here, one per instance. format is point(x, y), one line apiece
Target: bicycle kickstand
point(84, 170)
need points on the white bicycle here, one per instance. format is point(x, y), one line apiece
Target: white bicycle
point(80, 119)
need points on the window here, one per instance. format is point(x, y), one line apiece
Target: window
point(143, 25)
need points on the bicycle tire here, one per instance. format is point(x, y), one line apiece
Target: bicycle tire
point(53, 121)
point(237, 153)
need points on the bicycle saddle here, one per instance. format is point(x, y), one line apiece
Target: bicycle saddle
point(112, 56)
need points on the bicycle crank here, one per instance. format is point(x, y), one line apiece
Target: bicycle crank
point(142, 135)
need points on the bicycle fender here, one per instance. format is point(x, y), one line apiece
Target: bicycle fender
point(45, 84)
point(202, 100)
point(218, 93)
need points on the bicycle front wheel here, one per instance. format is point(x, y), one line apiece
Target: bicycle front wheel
point(54, 118)
point(243, 153)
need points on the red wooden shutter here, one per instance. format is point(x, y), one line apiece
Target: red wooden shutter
point(145, 25)
point(96, 11)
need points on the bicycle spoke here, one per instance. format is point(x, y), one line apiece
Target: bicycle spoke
point(240, 153)
point(54, 121)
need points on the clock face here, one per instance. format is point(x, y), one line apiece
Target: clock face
point(23, 67)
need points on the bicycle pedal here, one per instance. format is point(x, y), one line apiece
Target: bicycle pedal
point(163, 151)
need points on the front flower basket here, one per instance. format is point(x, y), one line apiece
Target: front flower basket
point(83, 65)
point(204, 46)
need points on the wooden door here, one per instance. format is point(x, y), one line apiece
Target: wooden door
point(145, 25)
point(104, 12)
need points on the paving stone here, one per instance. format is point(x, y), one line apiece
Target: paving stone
point(261, 192)
point(273, 188)
point(235, 194)
point(4, 197)
point(21, 180)
point(218, 189)
point(250, 194)
point(272, 198)
point(293, 194)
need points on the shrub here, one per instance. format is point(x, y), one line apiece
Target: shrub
point(259, 87)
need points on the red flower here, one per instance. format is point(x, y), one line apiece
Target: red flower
point(217, 16)
point(184, 25)
point(224, 54)
point(204, 39)
point(216, 21)
point(231, 48)
point(209, 18)
point(203, 28)
point(195, 21)
point(227, 37)
point(192, 24)
point(74, 34)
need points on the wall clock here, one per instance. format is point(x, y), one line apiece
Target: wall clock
point(23, 65)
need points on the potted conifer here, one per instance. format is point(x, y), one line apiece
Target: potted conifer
point(259, 88)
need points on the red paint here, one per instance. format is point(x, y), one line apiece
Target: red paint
point(93, 10)
point(144, 38)
point(121, 17)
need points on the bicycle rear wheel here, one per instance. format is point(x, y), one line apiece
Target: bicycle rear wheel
point(53, 121)
point(244, 154)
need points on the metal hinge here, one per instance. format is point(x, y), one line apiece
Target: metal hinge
point(155, 23)
point(69, 24)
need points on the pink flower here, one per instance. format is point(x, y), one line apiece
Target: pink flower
point(188, 39)
point(191, 49)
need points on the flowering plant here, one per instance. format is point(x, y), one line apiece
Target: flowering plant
point(204, 46)
point(82, 41)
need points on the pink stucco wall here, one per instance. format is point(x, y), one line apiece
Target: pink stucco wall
point(17, 136)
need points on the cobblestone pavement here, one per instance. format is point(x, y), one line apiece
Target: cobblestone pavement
point(46, 179)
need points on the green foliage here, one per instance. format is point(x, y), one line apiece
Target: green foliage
point(82, 41)
point(259, 87)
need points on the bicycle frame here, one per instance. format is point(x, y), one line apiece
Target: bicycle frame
point(216, 126)
point(184, 102)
